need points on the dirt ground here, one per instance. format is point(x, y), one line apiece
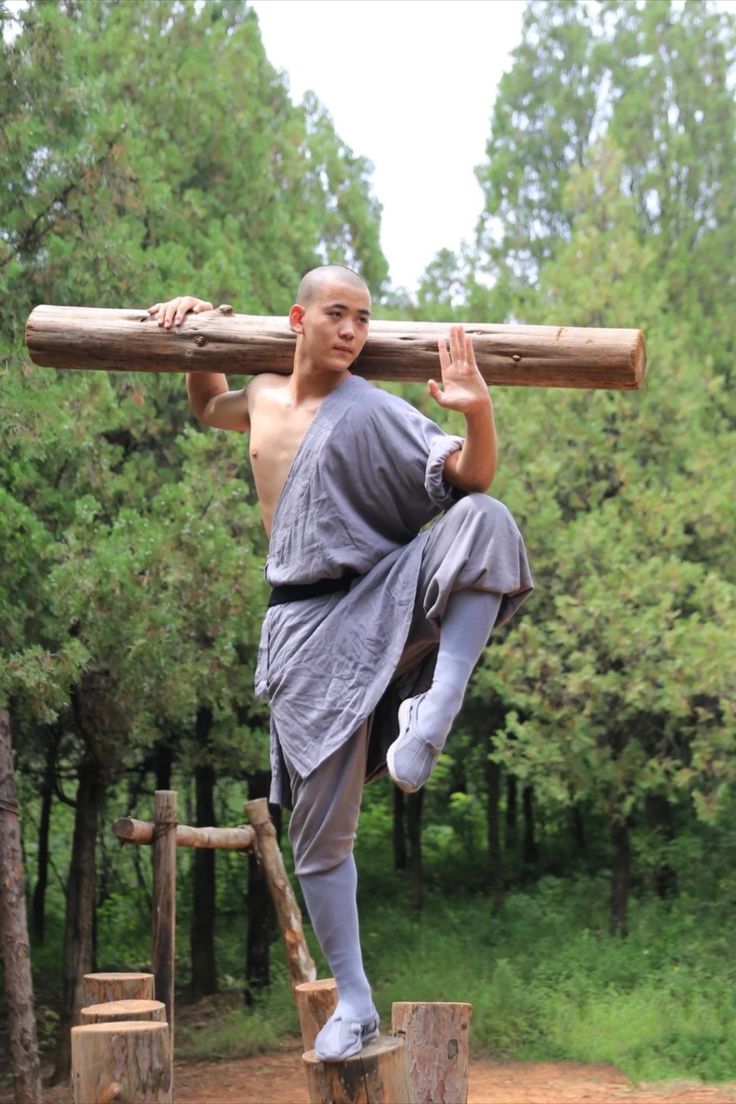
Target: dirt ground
point(277, 1078)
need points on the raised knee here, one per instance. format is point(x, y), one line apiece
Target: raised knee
point(478, 505)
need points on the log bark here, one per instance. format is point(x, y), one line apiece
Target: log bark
point(377, 1075)
point(437, 1040)
point(299, 960)
point(151, 1011)
point(130, 830)
point(106, 988)
point(219, 341)
point(126, 1062)
point(315, 1003)
point(24, 1058)
point(164, 907)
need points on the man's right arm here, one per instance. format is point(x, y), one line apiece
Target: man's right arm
point(209, 396)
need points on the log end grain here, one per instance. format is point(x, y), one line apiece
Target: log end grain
point(112, 1011)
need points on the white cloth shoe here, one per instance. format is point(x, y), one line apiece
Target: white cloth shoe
point(410, 759)
point(341, 1038)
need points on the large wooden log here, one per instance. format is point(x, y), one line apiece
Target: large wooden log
point(377, 1075)
point(130, 830)
point(299, 960)
point(104, 988)
point(220, 341)
point(437, 1039)
point(114, 1011)
point(315, 1003)
point(163, 941)
point(124, 1063)
point(16, 956)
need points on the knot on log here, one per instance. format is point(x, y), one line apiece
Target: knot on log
point(225, 308)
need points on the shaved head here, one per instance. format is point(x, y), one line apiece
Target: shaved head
point(314, 280)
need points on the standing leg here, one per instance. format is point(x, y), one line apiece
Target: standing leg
point(322, 833)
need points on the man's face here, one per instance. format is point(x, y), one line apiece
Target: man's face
point(335, 325)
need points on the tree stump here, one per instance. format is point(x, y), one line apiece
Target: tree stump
point(315, 1003)
point(378, 1075)
point(437, 1038)
point(113, 1011)
point(124, 1063)
point(103, 988)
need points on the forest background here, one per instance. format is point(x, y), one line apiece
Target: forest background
point(570, 867)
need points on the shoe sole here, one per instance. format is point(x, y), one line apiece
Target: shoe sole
point(404, 709)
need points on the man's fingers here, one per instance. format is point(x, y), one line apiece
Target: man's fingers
point(444, 355)
point(153, 311)
point(436, 391)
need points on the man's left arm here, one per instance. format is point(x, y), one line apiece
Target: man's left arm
point(472, 467)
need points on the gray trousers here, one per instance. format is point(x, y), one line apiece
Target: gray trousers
point(326, 804)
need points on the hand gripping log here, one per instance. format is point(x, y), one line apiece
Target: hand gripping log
point(240, 344)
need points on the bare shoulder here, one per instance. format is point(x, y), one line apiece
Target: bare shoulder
point(264, 383)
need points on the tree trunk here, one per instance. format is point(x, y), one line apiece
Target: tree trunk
point(529, 852)
point(511, 829)
point(399, 829)
point(620, 876)
point(38, 907)
point(163, 763)
point(220, 341)
point(493, 813)
point(202, 928)
point(24, 1060)
point(260, 912)
point(577, 831)
point(78, 952)
point(658, 816)
point(414, 824)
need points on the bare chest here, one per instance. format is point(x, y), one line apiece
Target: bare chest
point(276, 433)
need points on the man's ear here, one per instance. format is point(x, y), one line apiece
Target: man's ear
point(296, 316)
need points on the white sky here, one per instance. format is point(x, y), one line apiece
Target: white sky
point(410, 85)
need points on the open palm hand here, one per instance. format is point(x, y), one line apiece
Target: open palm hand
point(463, 387)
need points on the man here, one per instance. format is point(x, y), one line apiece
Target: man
point(374, 622)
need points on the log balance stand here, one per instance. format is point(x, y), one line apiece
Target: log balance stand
point(122, 1050)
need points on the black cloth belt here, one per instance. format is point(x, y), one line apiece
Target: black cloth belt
point(299, 592)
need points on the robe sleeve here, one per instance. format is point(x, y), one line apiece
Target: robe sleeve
point(442, 493)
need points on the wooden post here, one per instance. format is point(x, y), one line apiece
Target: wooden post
point(23, 1042)
point(152, 1011)
point(377, 1075)
point(299, 960)
point(124, 1063)
point(220, 341)
point(437, 1038)
point(164, 907)
point(315, 1003)
point(102, 988)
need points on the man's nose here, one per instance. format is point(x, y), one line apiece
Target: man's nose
point(347, 329)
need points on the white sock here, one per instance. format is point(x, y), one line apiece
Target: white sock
point(469, 617)
point(333, 909)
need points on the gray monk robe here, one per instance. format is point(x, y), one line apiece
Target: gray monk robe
point(367, 477)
